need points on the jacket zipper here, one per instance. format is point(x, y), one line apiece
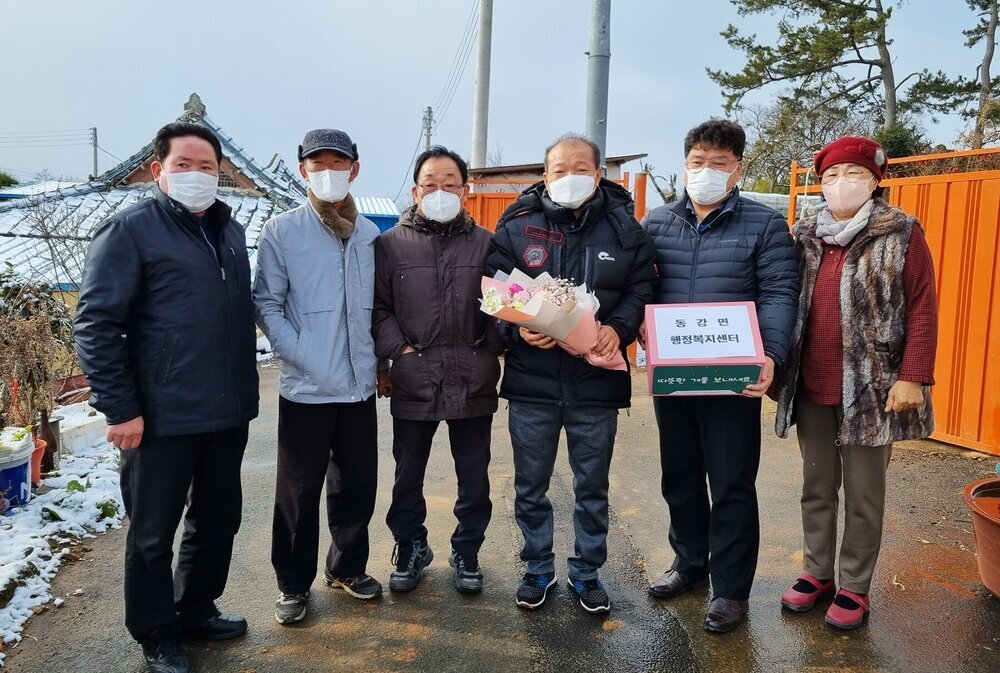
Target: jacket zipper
point(229, 315)
point(697, 249)
point(347, 312)
point(232, 346)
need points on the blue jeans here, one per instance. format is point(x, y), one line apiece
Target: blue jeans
point(590, 438)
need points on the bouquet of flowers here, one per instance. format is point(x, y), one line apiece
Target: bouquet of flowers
point(551, 306)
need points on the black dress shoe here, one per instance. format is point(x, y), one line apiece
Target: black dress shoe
point(724, 615)
point(166, 656)
point(673, 583)
point(222, 626)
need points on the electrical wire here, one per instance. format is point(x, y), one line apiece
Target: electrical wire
point(470, 23)
point(406, 177)
point(109, 153)
point(11, 146)
point(458, 80)
point(68, 132)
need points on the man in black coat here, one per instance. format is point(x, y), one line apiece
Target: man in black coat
point(578, 226)
point(165, 333)
point(714, 246)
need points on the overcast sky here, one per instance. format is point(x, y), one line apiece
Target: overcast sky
point(269, 71)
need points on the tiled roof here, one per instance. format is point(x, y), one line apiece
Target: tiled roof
point(46, 238)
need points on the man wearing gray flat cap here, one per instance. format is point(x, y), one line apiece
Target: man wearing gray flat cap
point(313, 294)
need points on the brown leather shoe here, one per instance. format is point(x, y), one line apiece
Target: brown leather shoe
point(673, 583)
point(724, 615)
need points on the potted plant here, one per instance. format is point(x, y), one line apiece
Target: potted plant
point(35, 349)
point(983, 499)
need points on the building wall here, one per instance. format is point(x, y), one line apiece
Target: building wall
point(143, 174)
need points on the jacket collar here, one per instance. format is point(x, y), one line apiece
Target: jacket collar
point(412, 218)
point(608, 196)
point(683, 209)
point(219, 213)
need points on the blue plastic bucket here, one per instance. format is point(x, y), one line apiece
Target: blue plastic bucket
point(15, 477)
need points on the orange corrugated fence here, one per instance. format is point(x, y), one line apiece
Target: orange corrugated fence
point(959, 208)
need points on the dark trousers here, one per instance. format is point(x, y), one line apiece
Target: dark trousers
point(718, 437)
point(470, 447)
point(157, 479)
point(333, 443)
point(590, 441)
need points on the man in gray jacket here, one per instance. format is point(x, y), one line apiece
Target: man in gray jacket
point(313, 293)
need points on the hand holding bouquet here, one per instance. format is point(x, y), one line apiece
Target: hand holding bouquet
point(553, 307)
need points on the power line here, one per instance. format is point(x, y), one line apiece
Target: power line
point(6, 146)
point(45, 133)
point(416, 148)
point(109, 153)
point(458, 81)
point(458, 52)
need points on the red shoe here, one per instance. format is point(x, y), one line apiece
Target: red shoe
point(847, 618)
point(800, 601)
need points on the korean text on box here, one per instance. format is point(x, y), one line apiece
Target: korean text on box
point(702, 349)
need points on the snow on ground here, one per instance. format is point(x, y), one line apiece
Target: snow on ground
point(84, 499)
point(264, 351)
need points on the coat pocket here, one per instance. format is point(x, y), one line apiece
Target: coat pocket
point(410, 382)
point(481, 373)
point(166, 361)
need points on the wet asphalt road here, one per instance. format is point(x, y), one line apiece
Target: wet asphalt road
point(930, 613)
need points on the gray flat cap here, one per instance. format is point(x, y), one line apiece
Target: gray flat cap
point(328, 139)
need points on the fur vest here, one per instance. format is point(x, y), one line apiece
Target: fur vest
point(873, 324)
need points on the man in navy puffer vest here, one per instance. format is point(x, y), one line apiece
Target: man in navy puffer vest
point(714, 246)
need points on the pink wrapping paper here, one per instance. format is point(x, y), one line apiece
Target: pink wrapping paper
point(573, 327)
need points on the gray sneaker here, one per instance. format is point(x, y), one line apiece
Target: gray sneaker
point(410, 557)
point(468, 576)
point(290, 608)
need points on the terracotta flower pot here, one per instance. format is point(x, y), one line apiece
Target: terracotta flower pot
point(36, 461)
point(983, 499)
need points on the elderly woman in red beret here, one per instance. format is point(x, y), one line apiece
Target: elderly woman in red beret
point(857, 374)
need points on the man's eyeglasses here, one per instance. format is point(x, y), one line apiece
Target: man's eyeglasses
point(723, 165)
point(453, 188)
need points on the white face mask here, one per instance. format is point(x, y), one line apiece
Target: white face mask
point(193, 189)
point(707, 186)
point(441, 206)
point(330, 186)
point(571, 191)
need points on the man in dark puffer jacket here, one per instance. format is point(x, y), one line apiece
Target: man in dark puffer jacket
point(577, 226)
point(713, 246)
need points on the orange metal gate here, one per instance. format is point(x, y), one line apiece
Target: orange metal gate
point(960, 212)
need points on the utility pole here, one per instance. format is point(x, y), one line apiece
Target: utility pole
point(481, 102)
point(93, 140)
point(428, 121)
point(598, 66)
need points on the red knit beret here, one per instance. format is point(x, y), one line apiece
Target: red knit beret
point(852, 150)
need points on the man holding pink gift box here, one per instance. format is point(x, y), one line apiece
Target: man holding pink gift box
point(716, 246)
point(579, 227)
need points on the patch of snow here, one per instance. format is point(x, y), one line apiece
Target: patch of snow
point(29, 533)
point(264, 351)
